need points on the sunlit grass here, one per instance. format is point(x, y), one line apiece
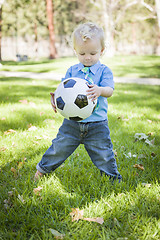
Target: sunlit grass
point(122, 66)
point(130, 210)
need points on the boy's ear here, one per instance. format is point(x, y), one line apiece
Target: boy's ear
point(75, 52)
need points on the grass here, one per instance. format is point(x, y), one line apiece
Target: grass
point(131, 210)
point(122, 66)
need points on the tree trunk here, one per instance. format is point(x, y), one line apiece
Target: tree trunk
point(158, 17)
point(49, 6)
point(0, 33)
point(108, 27)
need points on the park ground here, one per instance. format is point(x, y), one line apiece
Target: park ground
point(75, 202)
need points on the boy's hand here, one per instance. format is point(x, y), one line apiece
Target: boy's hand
point(93, 92)
point(52, 102)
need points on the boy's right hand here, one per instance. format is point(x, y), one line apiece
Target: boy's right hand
point(52, 102)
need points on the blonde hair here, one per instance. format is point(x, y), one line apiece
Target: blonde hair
point(86, 31)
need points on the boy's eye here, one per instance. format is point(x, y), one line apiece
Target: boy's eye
point(82, 54)
point(93, 53)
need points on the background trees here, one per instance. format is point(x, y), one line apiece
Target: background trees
point(131, 26)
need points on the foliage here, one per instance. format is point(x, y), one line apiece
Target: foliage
point(20, 17)
point(129, 21)
point(45, 209)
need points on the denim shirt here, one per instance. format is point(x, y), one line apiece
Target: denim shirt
point(102, 76)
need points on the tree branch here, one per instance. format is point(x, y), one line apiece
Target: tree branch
point(147, 6)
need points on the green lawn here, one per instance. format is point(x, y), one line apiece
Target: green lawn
point(130, 210)
point(122, 66)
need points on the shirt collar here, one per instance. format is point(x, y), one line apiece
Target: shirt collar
point(93, 68)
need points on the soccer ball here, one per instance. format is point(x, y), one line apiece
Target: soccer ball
point(71, 100)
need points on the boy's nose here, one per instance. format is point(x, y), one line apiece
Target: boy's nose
point(87, 57)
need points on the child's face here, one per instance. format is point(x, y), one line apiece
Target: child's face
point(89, 51)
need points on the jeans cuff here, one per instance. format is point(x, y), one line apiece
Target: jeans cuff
point(40, 169)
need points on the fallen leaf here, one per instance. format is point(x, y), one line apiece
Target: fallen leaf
point(149, 142)
point(9, 131)
point(115, 154)
point(76, 214)
point(41, 113)
point(129, 155)
point(142, 156)
point(20, 165)
point(24, 101)
point(140, 136)
point(14, 172)
point(32, 104)
point(150, 133)
point(98, 220)
point(35, 142)
point(21, 198)
point(148, 120)
point(45, 137)
point(56, 234)
point(13, 144)
point(126, 119)
point(61, 166)
point(10, 193)
point(146, 185)
point(139, 166)
point(2, 149)
point(7, 203)
point(32, 128)
point(153, 154)
point(116, 222)
point(38, 138)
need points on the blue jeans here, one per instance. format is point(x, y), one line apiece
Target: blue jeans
point(96, 138)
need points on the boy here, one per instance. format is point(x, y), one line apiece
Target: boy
point(93, 132)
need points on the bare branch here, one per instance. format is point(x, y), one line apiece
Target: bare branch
point(147, 6)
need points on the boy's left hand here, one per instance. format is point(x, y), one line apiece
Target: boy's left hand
point(93, 92)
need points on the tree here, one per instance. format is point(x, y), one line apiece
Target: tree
point(158, 11)
point(1, 4)
point(158, 17)
point(50, 14)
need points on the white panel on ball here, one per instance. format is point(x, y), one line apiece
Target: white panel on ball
point(71, 99)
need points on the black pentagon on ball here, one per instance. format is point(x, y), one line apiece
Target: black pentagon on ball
point(76, 118)
point(60, 103)
point(69, 83)
point(81, 101)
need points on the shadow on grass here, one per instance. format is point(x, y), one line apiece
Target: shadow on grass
point(30, 62)
point(15, 89)
point(123, 206)
point(23, 63)
point(77, 183)
point(151, 71)
point(137, 95)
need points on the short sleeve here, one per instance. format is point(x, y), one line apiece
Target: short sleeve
point(107, 78)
